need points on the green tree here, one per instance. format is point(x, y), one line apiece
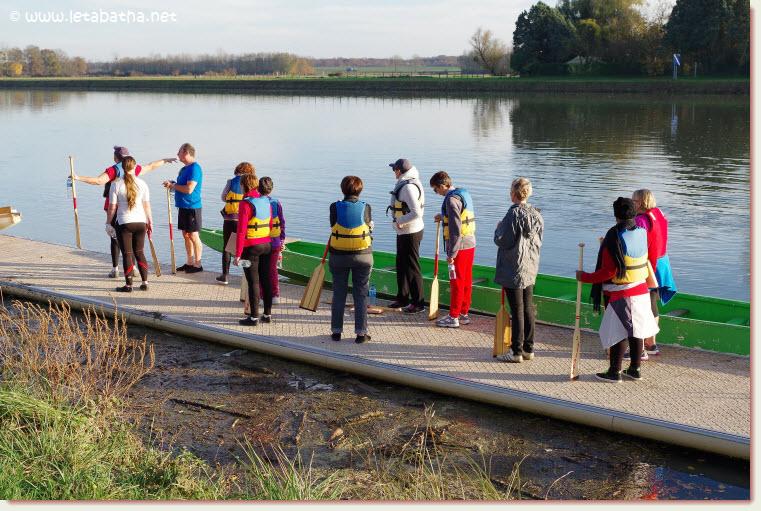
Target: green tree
point(53, 64)
point(542, 36)
point(698, 30)
point(589, 37)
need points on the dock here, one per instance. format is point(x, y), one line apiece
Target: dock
point(687, 397)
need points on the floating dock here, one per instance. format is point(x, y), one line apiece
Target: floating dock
point(687, 397)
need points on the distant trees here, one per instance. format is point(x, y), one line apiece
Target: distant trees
point(543, 36)
point(489, 52)
point(33, 61)
point(220, 64)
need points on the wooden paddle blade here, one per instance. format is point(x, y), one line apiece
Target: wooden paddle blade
point(433, 311)
point(501, 332)
point(311, 298)
point(156, 265)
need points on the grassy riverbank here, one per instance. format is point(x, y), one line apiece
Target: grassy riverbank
point(388, 85)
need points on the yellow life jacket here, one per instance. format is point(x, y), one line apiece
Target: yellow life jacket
point(400, 208)
point(350, 232)
point(259, 223)
point(467, 215)
point(233, 197)
point(276, 227)
point(634, 243)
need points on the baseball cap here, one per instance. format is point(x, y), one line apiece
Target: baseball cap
point(402, 164)
point(120, 151)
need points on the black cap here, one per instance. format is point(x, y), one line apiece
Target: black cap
point(624, 209)
point(402, 164)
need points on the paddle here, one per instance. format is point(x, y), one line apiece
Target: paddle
point(502, 332)
point(171, 234)
point(576, 347)
point(433, 311)
point(156, 265)
point(74, 197)
point(311, 298)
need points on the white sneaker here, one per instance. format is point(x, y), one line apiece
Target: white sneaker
point(113, 273)
point(510, 357)
point(448, 322)
point(464, 319)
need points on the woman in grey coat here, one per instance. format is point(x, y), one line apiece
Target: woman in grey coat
point(519, 238)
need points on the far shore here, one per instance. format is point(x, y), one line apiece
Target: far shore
point(373, 85)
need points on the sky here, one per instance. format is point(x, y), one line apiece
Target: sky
point(312, 28)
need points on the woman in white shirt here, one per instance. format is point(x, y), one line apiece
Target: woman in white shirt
point(130, 201)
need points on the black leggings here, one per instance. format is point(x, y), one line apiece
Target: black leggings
point(258, 272)
point(617, 353)
point(133, 238)
point(229, 228)
point(523, 316)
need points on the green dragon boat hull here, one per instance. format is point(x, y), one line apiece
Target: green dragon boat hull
point(695, 321)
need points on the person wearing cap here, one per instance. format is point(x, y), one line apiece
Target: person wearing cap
point(108, 176)
point(187, 198)
point(622, 274)
point(407, 204)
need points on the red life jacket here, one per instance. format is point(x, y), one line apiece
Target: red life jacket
point(657, 235)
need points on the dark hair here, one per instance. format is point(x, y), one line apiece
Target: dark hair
point(351, 185)
point(624, 209)
point(244, 167)
point(265, 185)
point(188, 148)
point(440, 178)
point(249, 182)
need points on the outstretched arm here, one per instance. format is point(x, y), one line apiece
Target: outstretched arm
point(156, 164)
point(99, 180)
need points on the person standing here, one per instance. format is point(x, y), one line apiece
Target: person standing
point(621, 274)
point(351, 225)
point(253, 243)
point(105, 179)
point(519, 240)
point(187, 198)
point(231, 195)
point(407, 207)
point(277, 234)
point(459, 218)
point(129, 200)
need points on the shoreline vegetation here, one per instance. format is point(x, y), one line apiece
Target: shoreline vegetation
point(387, 85)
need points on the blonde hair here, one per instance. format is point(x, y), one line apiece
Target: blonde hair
point(129, 164)
point(521, 188)
point(646, 196)
point(249, 182)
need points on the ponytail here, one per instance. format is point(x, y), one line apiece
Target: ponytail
point(129, 181)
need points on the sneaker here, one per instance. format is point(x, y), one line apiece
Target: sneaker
point(222, 280)
point(335, 336)
point(397, 304)
point(194, 269)
point(275, 300)
point(143, 287)
point(609, 377)
point(413, 309)
point(266, 318)
point(464, 319)
point(184, 267)
point(528, 355)
point(511, 357)
point(652, 350)
point(633, 373)
point(628, 355)
point(124, 289)
point(248, 321)
point(113, 273)
point(362, 338)
point(448, 322)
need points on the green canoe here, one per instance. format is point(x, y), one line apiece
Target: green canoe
point(696, 321)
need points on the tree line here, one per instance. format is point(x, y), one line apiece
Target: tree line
point(34, 61)
point(614, 37)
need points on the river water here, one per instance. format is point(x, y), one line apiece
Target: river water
point(580, 151)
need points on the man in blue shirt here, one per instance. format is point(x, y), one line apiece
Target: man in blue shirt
point(187, 198)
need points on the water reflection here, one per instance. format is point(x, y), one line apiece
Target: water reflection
point(36, 100)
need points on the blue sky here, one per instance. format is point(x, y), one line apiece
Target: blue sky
point(350, 28)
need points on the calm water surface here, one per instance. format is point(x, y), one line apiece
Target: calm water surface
point(581, 152)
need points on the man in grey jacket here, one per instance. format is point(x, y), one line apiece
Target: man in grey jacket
point(407, 202)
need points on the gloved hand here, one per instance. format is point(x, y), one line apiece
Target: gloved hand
point(111, 231)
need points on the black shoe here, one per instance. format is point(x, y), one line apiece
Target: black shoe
point(362, 338)
point(335, 337)
point(124, 289)
point(222, 279)
point(143, 287)
point(248, 321)
point(633, 373)
point(609, 377)
point(397, 304)
point(413, 309)
point(184, 267)
point(266, 318)
point(194, 269)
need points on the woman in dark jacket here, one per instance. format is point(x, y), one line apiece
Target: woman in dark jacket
point(519, 238)
point(350, 251)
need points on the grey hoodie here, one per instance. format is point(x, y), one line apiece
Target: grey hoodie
point(519, 238)
point(414, 196)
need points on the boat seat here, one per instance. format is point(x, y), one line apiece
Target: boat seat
point(738, 321)
point(677, 313)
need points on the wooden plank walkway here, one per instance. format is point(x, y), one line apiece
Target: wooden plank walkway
point(687, 397)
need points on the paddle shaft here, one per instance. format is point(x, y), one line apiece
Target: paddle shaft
point(576, 347)
point(74, 199)
point(171, 234)
point(436, 256)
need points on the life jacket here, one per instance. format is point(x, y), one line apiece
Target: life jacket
point(233, 197)
point(400, 208)
point(119, 174)
point(657, 235)
point(259, 223)
point(634, 243)
point(467, 216)
point(276, 227)
point(350, 232)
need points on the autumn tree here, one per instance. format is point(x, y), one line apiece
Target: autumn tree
point(490, 52)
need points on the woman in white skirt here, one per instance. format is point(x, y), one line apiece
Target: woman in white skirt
point(621, 275)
